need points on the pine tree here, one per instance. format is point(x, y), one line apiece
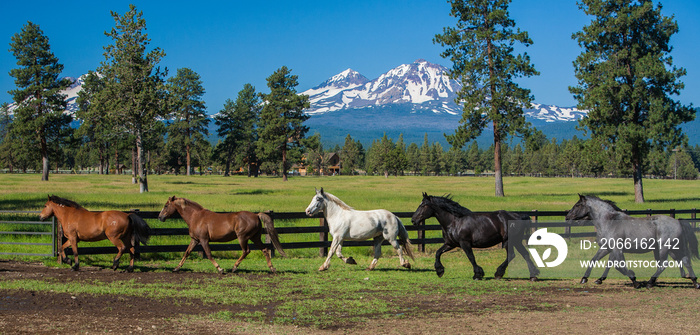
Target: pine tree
point(237, 123)
point(351, 156)
point(188, 111)
point(39, 114)
point(134, 85)
point(626, 78)
point(98, 128)
point(282, 120)
point(482, 53)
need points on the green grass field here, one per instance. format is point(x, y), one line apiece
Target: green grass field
point(298, 279)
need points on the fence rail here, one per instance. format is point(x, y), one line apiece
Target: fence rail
point(52, 233)
point(322, 229)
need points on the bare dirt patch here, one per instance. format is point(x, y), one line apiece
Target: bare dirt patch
point(611, 308)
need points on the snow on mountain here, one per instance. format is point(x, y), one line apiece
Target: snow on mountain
point(421, 85)
point(71, 94)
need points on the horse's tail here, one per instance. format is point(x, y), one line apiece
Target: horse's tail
point(270, 227)
point(691, 239)
point(403, 239)
point(141, 232)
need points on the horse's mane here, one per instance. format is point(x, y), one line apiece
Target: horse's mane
point(609, 202)
point(64, 202)
point(446, 203)
point(191, 203)
point(337, 201)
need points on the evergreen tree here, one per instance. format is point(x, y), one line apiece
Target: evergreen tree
point(282, 119)
point(352, 156)
point(413, 158)
point(481, 48)
point(189, 112)
point(681, 166)
point(316, 160)
point(134, 85)
point(237, 124)
point(6, 157)
point(39, 118)
point(98, 128)
point(626, 78)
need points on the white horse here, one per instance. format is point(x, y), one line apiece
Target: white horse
point(345, 223)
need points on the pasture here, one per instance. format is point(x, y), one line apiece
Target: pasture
point(40, 296)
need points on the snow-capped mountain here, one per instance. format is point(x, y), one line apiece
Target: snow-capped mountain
point(71, 94)
point(420, 86)
point(424, 85)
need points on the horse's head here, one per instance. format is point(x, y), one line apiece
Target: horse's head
point(580, 211)
point(424, 211)
point(47, 212)
point(168, 209)
point(317, 204)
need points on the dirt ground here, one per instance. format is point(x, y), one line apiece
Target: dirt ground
point(612, 308)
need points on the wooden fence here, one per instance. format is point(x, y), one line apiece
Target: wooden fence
point(324, 243)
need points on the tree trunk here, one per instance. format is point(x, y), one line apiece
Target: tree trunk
point(134, 164)
point(188, 159)
point(44, 160)
point(638, 188)
point(284, 163)
point(497, 161)
point(141, 160)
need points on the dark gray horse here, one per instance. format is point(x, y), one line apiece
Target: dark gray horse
point(618, 233)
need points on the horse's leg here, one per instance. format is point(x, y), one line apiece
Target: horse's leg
point(339, 253)
point(501, 270)
point(679, 258)
point(603, 276)
point(619, 256)
point(74, 245)
point(478, 271)
point(121, 247)
point(534, 271)
point(377, 251)
point(268, 255)
point(395, 243)
point(245, 250)
point(660, 266)
point(65, 258)
point(598, 255)
point(691, 274)
point(439, 269)
point(334, 245)
point(207, 252)
point(193, 243)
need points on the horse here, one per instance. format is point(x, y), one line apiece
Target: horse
point(346, 223)
point(206, 226)
point(466, 229)
point(78, 224)
point(661, 234)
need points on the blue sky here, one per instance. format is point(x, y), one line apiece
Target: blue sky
point(230, 43)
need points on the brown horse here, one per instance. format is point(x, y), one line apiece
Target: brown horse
point(78, 224)
point(207, 226)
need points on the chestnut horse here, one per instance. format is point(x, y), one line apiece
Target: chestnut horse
point(78, 224)
point(206, 226)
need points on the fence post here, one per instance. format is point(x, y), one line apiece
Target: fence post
point(673, 212)
point(267, 236)
point(421, 235)
point(694, 216)
point(323, 237)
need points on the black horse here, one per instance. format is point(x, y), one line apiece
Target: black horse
point(466, 229)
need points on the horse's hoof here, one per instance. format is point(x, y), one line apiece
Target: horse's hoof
point(478, 278)
point(637, 285)
point(406, 265)
point(273, 270)
point(599, 281)
point(221, 271)
point(177, 269)
point(650, 285)
point(75, 268)
point(533, 279)
point(584, 280)
point(130, 269)
point(323, 268)
point(350, 260)
point(697, 286)
point(234, 269)
point(497, 277)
